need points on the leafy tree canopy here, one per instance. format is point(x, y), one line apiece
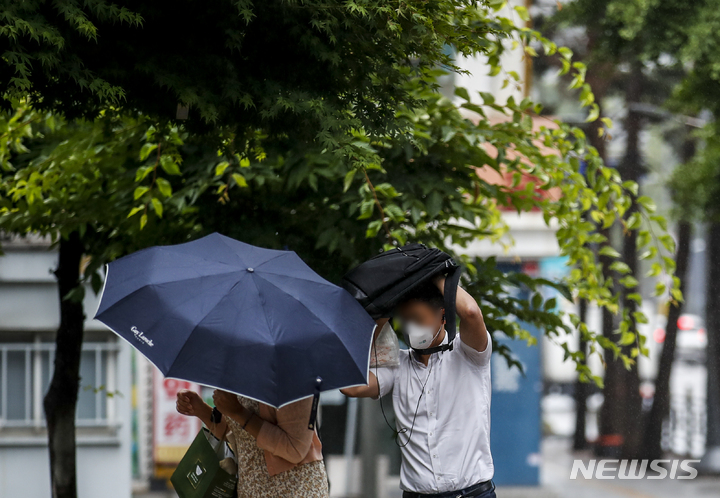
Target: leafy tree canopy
point(306, 69)
point(404, 162)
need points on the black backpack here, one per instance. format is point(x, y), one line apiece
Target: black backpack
point(381, 282)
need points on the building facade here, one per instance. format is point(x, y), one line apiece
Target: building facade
point(29, 318)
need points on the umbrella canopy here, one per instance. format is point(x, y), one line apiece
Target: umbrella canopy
point(253, 321)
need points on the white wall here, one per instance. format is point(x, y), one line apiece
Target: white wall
point(29, 302)
point(103, 461)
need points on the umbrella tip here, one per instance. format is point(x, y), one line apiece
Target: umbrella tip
point(250, 270)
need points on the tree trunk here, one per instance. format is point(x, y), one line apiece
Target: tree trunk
point(711, 460)
point(611, 421)
point(369, 447)
point(652, 434)
point(61, 399)
point(632, 170)
point(581, 391)
point(599, 79)
point(623, 404)
point(651, 448)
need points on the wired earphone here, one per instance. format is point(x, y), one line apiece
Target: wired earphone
point(403, 430)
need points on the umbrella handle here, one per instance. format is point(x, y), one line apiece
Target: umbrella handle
point(215, 416)
point(316, 402)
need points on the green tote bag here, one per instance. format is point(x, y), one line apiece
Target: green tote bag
point(198, 475)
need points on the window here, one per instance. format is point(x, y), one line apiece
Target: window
point(25, 374)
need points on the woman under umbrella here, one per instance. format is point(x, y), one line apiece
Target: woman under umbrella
point(278, 456)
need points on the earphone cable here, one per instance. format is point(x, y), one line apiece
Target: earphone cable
point(402, 430)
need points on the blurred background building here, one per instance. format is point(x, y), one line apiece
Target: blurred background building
point(29, 318)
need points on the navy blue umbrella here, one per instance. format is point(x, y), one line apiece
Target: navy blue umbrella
point(256, 322)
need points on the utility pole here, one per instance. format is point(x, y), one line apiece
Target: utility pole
point(710, 463)
point(369, 447)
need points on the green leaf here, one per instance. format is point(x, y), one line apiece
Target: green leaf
point(146, 150)
point(634, 222)
point(164, 187)
point(142, 172)
point(140, 191)
point(157, 206)
point(626, 339)
point(462, 93)
point(221, 167)
point(647, 203)
point(631, 186)
point(620, 267)
point(659, 288)
point(536, 300)
point(628, 281)
point(608, 251)
point(239, 180)
point(565, 52)
point(434, 204)
point(668, 242)
point(169, 165)
point(135, 210)
point(349, 177)
point(593, 114)
point(522, 13)
point(373, 228)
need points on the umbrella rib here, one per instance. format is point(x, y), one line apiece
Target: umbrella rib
point(187, 340)
point(179, 279)
point(153, 284)
point(274, 257)
point(324, 282)
point(208, 314)
point(174, 246)
point(232, 249)
point(311, 312)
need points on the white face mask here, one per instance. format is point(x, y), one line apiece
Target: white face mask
point(420, 336)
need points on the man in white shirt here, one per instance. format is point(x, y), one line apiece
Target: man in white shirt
point(441, 399)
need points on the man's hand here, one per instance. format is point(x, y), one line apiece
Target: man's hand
point(439, 281)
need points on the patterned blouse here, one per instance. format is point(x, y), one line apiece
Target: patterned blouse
point(306, 480)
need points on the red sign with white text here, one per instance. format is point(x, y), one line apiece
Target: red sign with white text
point(172, 433)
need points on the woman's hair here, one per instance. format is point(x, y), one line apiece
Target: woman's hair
point(427, 293)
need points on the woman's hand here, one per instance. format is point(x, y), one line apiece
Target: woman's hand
point(227, 403)
point(190, 403)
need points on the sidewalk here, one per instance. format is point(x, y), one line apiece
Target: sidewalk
point(556, 482)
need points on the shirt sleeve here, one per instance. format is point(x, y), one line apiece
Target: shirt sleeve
point(290, 438)
point(385, 378)
point(480, 358)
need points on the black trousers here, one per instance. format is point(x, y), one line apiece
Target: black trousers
point(483, 490)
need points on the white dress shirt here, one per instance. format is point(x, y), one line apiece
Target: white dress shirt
point(448, 447)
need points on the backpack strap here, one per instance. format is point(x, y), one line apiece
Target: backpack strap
point(450, 293)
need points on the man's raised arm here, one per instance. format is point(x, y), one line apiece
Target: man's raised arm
point(472, 326)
